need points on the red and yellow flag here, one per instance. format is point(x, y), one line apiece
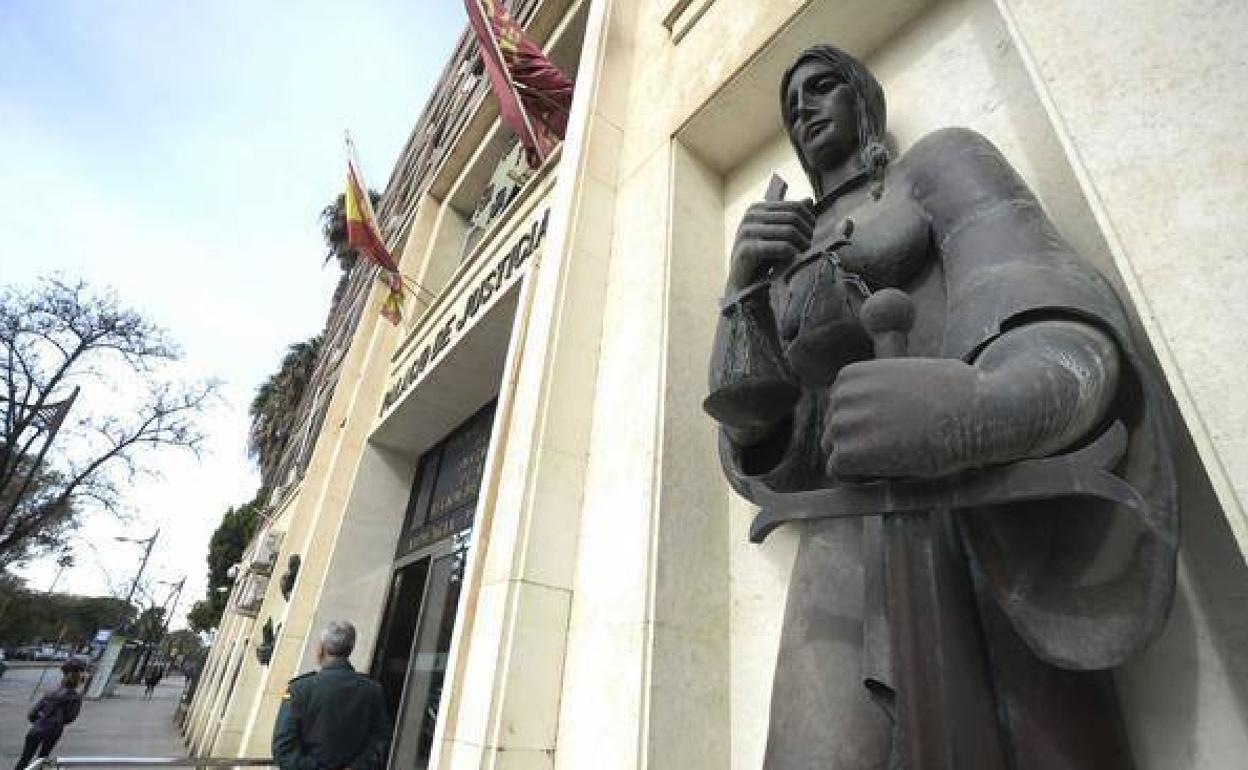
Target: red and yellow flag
point(364, 236)
point(534, 96)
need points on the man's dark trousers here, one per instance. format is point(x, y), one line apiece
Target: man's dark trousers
point(40, 742)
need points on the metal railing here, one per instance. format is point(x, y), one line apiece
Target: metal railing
point(50, 763)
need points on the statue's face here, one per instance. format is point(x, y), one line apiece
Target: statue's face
point(823, 115)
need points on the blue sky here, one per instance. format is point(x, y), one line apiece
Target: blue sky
point(179, 153)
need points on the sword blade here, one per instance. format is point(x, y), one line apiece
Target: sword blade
point(1081, 473)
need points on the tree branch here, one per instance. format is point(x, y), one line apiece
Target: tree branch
point(59, 333)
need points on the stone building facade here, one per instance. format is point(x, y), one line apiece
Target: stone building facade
point(516, 497)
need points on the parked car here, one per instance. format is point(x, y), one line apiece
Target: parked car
point(51, 653)
point(3, 665)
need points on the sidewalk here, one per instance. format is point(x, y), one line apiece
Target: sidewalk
point(124, 725)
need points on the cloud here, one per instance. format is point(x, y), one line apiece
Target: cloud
point(180, 152)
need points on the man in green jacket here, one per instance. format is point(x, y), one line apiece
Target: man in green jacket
point(335, 718)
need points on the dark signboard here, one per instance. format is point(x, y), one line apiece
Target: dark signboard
point(447, 484)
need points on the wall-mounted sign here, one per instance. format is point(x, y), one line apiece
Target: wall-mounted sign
point(447, 484)
point(479, 289)
point(438, 530)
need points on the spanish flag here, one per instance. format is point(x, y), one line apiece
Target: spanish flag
point(534, 96)
point(364, 236)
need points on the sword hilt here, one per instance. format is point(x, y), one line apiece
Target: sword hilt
point(888, 316)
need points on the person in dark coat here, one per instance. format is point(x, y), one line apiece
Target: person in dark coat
point(50, 715)
point(154, 675)
point(335, 718)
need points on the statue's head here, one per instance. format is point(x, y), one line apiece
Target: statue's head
point(833, 109)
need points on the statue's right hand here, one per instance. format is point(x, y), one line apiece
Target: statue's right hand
point(771, 235)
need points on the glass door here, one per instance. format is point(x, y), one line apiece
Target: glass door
point(420, 615)
point(426, 664)
point(397, 631)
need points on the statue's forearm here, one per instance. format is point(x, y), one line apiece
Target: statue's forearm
point(1046, 385)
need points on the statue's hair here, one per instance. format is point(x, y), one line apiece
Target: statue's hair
point(872, 112)
point(338, 638)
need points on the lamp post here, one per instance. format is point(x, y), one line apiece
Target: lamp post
point(171, 606)
point(125, 626)
point(147, 552)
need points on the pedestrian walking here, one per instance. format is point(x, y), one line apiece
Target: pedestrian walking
point(334, 718)
point(154, 675)
point(50, 715)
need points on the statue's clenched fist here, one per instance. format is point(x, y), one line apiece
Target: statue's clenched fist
point(904, 417)
point(770, 237)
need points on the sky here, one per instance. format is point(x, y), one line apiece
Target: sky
point(179, 153)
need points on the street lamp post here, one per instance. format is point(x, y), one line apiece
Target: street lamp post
point(148, 543)
point(147, 552)
point(170, 606)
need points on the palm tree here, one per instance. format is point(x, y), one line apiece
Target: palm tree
point(274, 410)
point(334, 231)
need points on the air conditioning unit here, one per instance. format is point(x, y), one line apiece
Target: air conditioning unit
point(265, 555)
point(251, 595)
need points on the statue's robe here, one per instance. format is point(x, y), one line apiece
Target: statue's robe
point(1061, 590)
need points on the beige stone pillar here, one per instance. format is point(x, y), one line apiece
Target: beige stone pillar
point(1150, 103)
point(210, 681)
point(505, 675)
point(316, 519)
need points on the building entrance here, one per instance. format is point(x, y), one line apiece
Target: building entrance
point(410, 658)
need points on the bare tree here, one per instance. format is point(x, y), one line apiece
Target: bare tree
point(55, 339)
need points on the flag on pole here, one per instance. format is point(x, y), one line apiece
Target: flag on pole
point(364, 236)
point(534, 96)
point(392, 307)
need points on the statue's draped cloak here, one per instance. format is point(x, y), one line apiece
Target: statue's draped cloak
point(1083, 583)
point(1086, 584)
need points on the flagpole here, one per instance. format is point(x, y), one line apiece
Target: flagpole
point(353, 168)
point(511, 86)
point(353, 160)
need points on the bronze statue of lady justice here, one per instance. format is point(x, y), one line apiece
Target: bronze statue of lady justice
point(917, 370)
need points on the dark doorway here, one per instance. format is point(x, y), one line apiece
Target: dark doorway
point(398, 627)
point(415, 638)
point(426, 670)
